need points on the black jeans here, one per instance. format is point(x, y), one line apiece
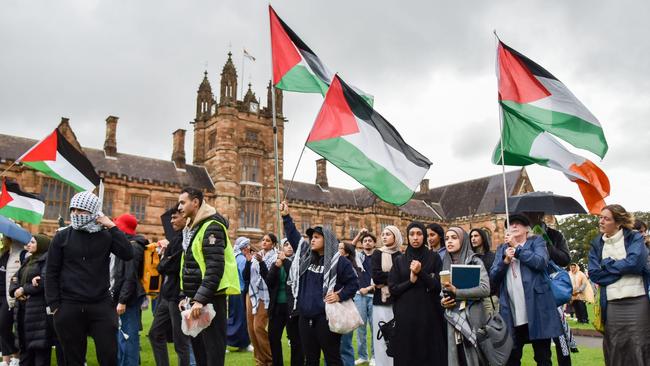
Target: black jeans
point(293, 333)
point(7, 338)
point(541, 348)
point(167, 317)
point(581, 311)
point(277, 322)
point(74, 322)
point(316, 336)
point(210, 345)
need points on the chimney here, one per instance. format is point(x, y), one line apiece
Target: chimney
point(110, 143)
point(321, 173)
point(424, 186)
point(178, 152)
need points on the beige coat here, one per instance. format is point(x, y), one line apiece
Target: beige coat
point(579, 279)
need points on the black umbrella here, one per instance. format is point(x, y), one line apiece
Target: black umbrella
point(546, 202)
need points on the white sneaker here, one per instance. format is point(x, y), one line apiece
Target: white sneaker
point(372, 361)
point(360, 361)
point(249, 348)
point(14, 362)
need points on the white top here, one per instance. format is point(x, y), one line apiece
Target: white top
point(516, 293)
point(628, 285)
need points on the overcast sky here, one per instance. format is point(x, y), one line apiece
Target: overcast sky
point(429, 64)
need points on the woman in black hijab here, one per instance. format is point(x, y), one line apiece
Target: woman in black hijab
point(414, 283)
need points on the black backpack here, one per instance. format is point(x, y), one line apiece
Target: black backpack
point(387, 331)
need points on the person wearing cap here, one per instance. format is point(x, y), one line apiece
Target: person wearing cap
point(77, 281)
point(414, 284)
point(526, 301)
point(35, 331)
point(128, 293)
point(320, 276)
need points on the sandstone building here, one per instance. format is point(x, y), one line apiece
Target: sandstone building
point(233, 164)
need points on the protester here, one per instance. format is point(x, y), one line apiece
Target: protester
point(348, 251)
point(526, 301)
point(617, 261)
point(464, 310)
point(208, 273)
point(436, 239)
point(257, 299)
point(237, 331)
point(167, 316)
point(581, 293)
point(280, 301)
point(128, 293)
point(481, 246)
point(322, 276)
point(9, 264)
point(382, 303)
point(77, 280)
point(364, 297)
point(415, 285)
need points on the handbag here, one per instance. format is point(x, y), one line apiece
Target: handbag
point(598, 322)
point(343, 316)
point(387, 331)
point(560, 283)
point(494, 341)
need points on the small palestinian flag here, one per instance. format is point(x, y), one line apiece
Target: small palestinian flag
point(56, 157)
point(295, 66)
point(19, 205)
point(530, 93)
point(355, 138)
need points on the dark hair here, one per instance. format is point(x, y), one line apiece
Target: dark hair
point(274, 239)
point(484, 238)
point(193, 193)
point(367, 234)
point(638, 224)
point(351, 251)
point(438, 230)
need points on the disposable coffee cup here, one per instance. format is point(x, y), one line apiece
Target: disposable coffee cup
point(445, 276)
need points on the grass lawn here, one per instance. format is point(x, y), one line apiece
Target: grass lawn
point(575, 325)
point(586, 356)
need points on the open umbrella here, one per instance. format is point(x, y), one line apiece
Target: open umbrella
point(547, 202)
point(15, 232)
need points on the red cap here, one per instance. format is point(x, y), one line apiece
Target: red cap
point(127, 223)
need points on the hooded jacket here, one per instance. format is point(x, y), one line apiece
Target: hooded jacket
point(487, 257)
point(169, 267)
point(127, 288)
point(204, 288)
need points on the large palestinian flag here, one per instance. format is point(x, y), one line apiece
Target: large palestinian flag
point(358, 140)
point(19, 205)
point(528, 92)
point(295, 66)
point(56, 157)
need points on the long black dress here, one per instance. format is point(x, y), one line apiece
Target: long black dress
point(420, 337)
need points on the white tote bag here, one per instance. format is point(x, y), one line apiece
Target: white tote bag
point(343, 316)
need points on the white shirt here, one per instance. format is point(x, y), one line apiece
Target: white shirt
point(516, 293)
point(628, 285)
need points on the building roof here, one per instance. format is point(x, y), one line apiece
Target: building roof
point(132, 166)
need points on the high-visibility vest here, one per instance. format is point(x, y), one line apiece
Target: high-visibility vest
point(229, 283)
point(150, 277)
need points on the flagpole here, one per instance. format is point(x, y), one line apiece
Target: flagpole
point(275, 148)
point(6, 170)
point(286, 193)
point(503, 162)
point(241, 88)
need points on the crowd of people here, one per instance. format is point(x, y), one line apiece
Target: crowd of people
point(85, 282)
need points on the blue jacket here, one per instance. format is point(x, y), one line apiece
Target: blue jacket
point(543, 318)
point(607, 271)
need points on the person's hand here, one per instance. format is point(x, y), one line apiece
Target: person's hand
point(416, 266)
point(162, 244)
point(36, 280)
point(363, 290)
point(448, 302)
point(510, 253)
point(284, 208)
point(247, 254)
point(258, 257)
point(507, 238)
point(449, 287)
point(332, 297)
point(20, 292)
point(120, 309)
point(196, 309)
point(181, 304)
point(363, 230)
point(413, 277)
point(281, 257)
point(105, 221)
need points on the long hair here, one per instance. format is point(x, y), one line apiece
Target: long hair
point(621, 216)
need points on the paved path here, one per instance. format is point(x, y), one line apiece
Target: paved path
point(589, 342)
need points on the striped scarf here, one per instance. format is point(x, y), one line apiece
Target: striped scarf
point(258, 290)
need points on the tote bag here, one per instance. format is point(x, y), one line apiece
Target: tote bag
point(560, 283)
point(343, 316)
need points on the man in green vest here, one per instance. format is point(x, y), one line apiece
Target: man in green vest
point(208, 273)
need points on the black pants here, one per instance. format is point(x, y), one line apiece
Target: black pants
point(210, 345)
point(7, 338)
point(277, 321)
point(167, 317)
point(541, 348)
point(581, 311)
point(293, 333)
point(316, 336)
point(40, 357)
point(562, 360)
point(74, 322)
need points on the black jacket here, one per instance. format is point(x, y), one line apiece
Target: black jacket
point(559, 252)
point(78, 265)
point(33, 321)
point(272, 279)
point(380, 277)
point(204, 288)
point(169, 267)
point(127, 288)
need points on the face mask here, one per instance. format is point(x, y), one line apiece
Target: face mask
point(85, 223)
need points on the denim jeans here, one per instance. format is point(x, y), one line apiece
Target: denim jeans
point(347, 351)
point(128, 350)
point(364, 306)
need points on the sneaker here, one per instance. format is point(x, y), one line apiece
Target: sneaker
point(14, 362)
point(249, 348)
point(372, 361)
point(360, 361)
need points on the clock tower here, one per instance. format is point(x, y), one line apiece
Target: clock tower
point(233, 139)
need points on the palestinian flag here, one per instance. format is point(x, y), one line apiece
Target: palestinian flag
point(56, 157)
point(19, 205)
point(295, 66)
point(359, 141)
point(525, 143)
point(528, 92)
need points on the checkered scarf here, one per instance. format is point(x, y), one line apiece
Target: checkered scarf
point(258, 290)
point(86, 201)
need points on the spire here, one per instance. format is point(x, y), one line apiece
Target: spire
point(228, 82)
point(204, 99)
point(250, 96)
point(205, 84)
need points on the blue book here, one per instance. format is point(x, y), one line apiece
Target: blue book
point(464, 276)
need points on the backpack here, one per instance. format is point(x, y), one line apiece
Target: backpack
point(150, 278)
point(387, 331)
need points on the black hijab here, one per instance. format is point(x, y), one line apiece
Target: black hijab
point(416, 253)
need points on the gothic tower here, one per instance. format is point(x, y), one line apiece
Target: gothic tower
point(228, 82)
point(204, 110)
